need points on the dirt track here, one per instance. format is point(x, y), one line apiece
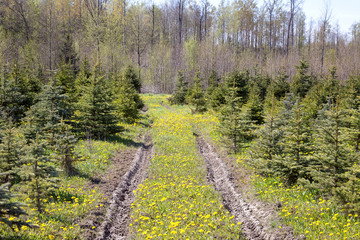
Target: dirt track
point(249, 215)
point(115, 225)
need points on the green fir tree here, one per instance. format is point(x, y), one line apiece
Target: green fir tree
point(179, 95)
point(40, 172)
point(234, 127)
point(302, 81)
point(195, 95)
point(334, 156)
point(133, 78)
point(297, 147)
point(127, 100)
point(267, 145)
point(11, 151)
point(95, 115)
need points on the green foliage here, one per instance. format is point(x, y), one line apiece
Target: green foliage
point(95, 115)
point(127, 101)
point(10, 210)
point(17, 93)
point(333, 154)
point(131, 77)
point(39, 172)
point(65, 78)
point(332, 84)
point(195, 95)
point(267, 145)
point(259, 82)
point(51, 106)
point(213, 83)
point(302, 81)
point(233, 125)
point(64, 143)
point(240, 82)
point(218, 97)
point(83, 78)
point(295, 162)
point(254, 107)
point(11, 147)
point(179, 95)
point(280, 86)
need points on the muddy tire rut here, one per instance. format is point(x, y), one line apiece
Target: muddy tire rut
point(115, 225)
point(251, 217)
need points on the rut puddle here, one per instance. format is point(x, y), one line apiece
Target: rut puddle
point(247, 214)
point(115, 225)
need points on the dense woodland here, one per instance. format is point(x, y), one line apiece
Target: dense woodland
point(161, 39)
point(74, 69)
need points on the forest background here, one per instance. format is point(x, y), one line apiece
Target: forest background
point(161, 39)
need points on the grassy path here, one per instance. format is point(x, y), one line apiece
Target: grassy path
point(176, 201)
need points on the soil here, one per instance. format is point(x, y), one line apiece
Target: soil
point(255, 217)
point(107, 185)
point(115, 225)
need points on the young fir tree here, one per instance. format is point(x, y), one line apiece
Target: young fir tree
point(213, 83)
point(302, 81)
point(333, 154)
point(281, 85)
point(15, 95)
point(179, 95)
point(39, 170)
point(319, 94)
point(195, 95)
point(235, 128)
point(130, 75)
point(43, 117)
point(95, 115)
point(218, 97)
point(82, 78)
point(65, 79)
point(241, 81)
point(267, 145)
point(254, 107)
point(295, 161)
point(332, 84)
point(10, 210)
point(352, 119)
point(11, 147)
point(64, 147)
point(260, 82)
point(127, 100)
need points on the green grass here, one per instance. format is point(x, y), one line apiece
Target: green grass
point(176, 202)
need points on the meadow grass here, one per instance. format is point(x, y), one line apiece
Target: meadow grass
point(175, 201)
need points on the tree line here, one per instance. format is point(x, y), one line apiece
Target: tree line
point(305, 131)
point(161, 39)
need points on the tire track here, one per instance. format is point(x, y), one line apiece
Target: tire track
point(243, 212)
point(115, 225)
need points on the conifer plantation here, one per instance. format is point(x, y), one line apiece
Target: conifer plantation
point(170, 120)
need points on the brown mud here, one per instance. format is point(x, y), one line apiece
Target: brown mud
point(106, 185)
point(255, 220)
point(116, 222)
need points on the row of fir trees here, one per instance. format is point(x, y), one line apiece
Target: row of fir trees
point(306, 131)
point(41, 121)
